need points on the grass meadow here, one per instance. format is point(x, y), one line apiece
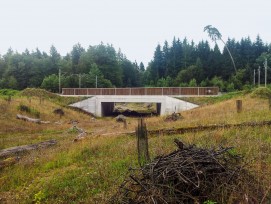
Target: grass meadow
point(91, 170)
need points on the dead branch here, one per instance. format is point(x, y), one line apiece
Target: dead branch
point(25, 148)
point(81, 136)
point(187, 175)
point(33, 120)
point(207, 127)
point(82, 133)
point(25, 118)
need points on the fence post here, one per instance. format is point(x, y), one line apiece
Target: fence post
point(269, 103)
point(142, 143)
point(125, 124)
point(239, 106)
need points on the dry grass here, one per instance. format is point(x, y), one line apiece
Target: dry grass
point(91, 170)
point(219, 113)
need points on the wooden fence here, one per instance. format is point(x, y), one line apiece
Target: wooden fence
point(167, 91)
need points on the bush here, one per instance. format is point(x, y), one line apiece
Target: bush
point(29, 110)
point(248, 88)
point(218, 81)
point(261, 92)
point(59, 112)
point(8, 92)
point(24, 108)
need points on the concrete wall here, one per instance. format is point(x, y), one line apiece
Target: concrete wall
point(102, 105)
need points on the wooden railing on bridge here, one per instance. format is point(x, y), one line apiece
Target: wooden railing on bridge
point(167, 91)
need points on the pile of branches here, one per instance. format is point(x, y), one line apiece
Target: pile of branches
point(173, 117)
point(187, 175)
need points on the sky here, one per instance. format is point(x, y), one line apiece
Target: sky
point(134, 26)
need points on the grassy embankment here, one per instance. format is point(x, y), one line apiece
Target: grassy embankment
point(90, 171)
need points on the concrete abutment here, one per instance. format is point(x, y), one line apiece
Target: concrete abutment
point(104, 105)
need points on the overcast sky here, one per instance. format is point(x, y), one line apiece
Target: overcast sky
point(134, 26)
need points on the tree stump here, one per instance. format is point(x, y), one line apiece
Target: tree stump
point(239, 106)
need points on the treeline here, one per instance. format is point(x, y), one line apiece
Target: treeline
point(39, 69)
point(181, 63)
point(184, 63)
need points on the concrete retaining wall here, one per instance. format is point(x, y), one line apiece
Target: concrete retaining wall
point(101, 105)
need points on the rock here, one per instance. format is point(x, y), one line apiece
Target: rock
point(120, 118)
point(149, 105)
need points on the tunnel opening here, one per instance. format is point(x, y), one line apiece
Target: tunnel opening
point(131, 109)
point(107, 108)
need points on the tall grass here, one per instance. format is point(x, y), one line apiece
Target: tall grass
point(91, 170)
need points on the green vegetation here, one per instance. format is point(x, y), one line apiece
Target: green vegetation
point(209, 202)
point(90, 171)
point(261, 92)
point(179, 63)
point(43, 94)
point(213, 100)
point(8, 92)
point(26, 109)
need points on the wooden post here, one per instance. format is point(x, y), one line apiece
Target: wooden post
point(239, 106)
point(125, 124)
point(9, 99)
point(142, 143)
point(269, 103)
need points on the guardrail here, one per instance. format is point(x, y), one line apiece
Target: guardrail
point(167, 91)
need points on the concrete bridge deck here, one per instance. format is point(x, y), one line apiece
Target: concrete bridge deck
point(103, 99)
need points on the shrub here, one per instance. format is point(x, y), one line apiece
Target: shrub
point(24, 108)
point(261, 92)
point(59, 112)
point(8, 92)
point(29, 110)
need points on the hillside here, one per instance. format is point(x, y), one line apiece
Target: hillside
point(90, 170)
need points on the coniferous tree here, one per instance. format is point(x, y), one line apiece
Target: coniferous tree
point(141, 67)
point(76, 53)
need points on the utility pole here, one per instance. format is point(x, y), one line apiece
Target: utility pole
point(79, 76)
point(59, 81)
point(96, 81)
point(254, 76)
point(265, 69)
point(259, 76)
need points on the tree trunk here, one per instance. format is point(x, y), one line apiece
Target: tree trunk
point(25, 118)
point(20, 149)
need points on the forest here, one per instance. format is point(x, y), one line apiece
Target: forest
point(179, 63)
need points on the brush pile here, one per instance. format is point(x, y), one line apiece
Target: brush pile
point(173, 117)
point(187, 175)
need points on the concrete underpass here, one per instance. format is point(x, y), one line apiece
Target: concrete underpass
point(104, 105)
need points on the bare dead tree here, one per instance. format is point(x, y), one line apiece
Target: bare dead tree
point(215, 35)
